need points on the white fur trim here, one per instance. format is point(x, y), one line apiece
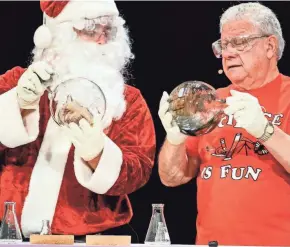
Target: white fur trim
point(15, 131)
point(45, 180)
point(107, 171)
point(80, 9)
point(42, 37)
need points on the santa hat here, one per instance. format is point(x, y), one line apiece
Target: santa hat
point(57, 11)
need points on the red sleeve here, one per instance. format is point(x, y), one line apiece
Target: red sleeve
point(135, 136)
point(7, 82)
point(10, 79)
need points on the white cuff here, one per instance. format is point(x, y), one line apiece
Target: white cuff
point(15, 131)
point(107, 171)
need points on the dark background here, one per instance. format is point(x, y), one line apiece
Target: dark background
point(172, 44)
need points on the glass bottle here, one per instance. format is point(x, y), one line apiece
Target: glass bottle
point(10, 230)
point(157, 232)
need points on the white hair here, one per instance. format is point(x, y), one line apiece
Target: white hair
point(261, 16)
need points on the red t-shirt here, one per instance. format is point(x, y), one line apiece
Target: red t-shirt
point(243, 195)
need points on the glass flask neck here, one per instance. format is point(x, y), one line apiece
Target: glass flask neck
point(158, 208)
point(9, 206)
point(45, 223)
point(45, 230)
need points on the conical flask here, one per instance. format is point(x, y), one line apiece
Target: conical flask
point(10, 230)
point(157, 232)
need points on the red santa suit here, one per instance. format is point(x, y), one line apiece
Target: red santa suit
point(42, 174)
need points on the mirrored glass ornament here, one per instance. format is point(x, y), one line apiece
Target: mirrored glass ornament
point(196, 108)
point(75, 99)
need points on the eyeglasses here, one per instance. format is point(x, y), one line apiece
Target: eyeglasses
point(239, 44)
point(98, 26)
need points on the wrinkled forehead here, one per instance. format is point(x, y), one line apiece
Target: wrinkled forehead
point(237, 28)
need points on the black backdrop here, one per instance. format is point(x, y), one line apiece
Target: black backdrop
point(172, 43)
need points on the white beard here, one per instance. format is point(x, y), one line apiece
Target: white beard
point(104, 64)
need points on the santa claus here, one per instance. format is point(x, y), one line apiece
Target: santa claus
point(76, 176)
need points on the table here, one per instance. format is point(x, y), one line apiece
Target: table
point(25, 244)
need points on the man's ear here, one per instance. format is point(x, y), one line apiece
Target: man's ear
point(272, 46)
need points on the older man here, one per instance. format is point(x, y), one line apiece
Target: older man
point(77, 176)
point(243, 166)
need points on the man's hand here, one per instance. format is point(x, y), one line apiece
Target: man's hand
point(174, 136)
point(247, 112)
point(88, 139)
point(30, 88)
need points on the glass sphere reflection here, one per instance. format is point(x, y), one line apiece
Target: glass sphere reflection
point(195, 107)
point(75, 99)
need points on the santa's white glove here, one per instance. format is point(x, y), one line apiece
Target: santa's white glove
point(174, 136)
point(30, 88)
point(88, 140)
point(247, 112)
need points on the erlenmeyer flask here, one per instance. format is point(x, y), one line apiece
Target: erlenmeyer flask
point(157, 232)
point(10, 230)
